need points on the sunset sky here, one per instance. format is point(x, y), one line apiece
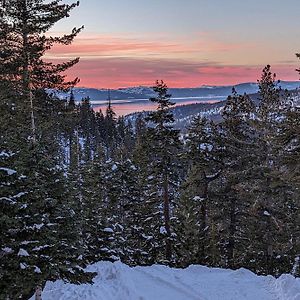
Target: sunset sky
point(186, 43)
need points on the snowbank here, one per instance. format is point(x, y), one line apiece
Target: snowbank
point(116, 281)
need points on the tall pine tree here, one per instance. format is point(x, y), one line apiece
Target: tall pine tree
point(164, 143)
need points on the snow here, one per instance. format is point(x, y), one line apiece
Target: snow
point(116, 281)
point(37, 270)
point(287, 287)
point(19, 195)
point(8, 171)
point(41, 248)
point(7, 250)
point(162, 230)
point(198, 199)
point(23, 266)
point(6, 154)
point(296, 265)
point(140, 90)
point(8, 200)
point(36, 226)
point(206, 146)
point(23, 252)
point(29, 242)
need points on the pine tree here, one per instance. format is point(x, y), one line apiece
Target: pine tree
point(42, 247)
point(240, 148)
point(147, 213)
point(124, 204)
point(98, 236)
point(267, 185)
point(204, 166)
point(100, 123)
point(164, 140)
point(71, 127)
point(28, 21)
point(125, 138)
point(87, 128)
point(288, 156)
point(110, 137)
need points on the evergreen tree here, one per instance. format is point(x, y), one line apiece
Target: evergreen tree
point(240, 146)
point(148, 213)
point(267, 185)
point(42, 246)
point(88, 128)
point(287, 141)
point(125, 138)
point(124, 204)
point(110, 130)
point(100, 123)
point(71, 127)
point(98, 236)
point(203, 154)
point(164, 142)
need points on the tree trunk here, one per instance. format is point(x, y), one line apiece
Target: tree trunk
point(232, 230)
point(270, 267)
point(33, 128)
point(296, 266)
point(26, 73)
point(167, 218)
point(38, 293)
point(71, 154)
point(203, 216)
point(269, 231)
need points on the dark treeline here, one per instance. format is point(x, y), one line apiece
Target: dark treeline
point(79, 186)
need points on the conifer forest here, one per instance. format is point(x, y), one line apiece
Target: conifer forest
point(79, 186)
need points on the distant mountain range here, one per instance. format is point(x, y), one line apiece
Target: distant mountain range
point(142, 92)
point(184, 114)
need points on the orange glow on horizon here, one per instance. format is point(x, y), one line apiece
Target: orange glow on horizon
point(114, 62)
point(117, 74)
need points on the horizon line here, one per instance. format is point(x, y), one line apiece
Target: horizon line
point(180, 87)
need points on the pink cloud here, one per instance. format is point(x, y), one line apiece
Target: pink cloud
point(120, 72)
point(116, 46)
point(116, 61)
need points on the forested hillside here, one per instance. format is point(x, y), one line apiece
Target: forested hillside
point(79, 186)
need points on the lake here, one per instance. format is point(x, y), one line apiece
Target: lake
point(128, 106)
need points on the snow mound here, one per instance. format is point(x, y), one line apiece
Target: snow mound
point(116, 281)
point(287, 287)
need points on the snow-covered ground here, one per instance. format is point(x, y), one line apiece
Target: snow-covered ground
point(116, 281)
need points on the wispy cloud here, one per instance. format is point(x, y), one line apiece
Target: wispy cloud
point(115, 61)
point(111, 46)
point(120, 46)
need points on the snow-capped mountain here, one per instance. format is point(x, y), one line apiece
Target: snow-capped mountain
point(139, 90)
point(184, 114)
point(142, 92)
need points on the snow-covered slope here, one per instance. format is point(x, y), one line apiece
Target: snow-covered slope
point(144, 92)
point(116, 281)
point(140, 90)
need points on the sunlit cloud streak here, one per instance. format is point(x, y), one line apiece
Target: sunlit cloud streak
point(123, 72)
point(119, 61)
point(105, 45)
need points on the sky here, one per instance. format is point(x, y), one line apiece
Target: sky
point(187, 43)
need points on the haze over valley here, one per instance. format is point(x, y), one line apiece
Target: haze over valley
point(135, 99)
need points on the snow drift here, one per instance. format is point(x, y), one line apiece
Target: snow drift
point(116, 281)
